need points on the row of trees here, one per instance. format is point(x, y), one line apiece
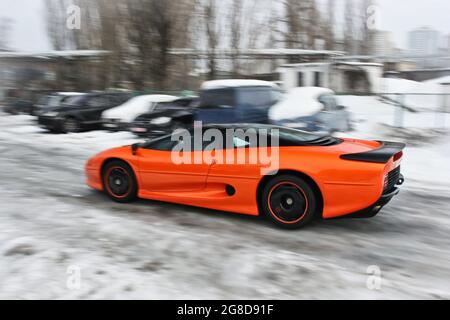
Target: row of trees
point(140, 33)
point(5, 32)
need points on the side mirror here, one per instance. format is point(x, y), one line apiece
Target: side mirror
point(341, 107)
point(134, 148)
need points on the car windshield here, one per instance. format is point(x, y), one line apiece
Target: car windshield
point(257, 96)
point(75, 101)
point(291, 135)
point(54, 101)
point(217, 97)
point(329, 101)
point(294, 135)
point(43, 100)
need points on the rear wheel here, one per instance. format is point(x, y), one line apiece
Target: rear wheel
point(288, 201)
point(119, 181)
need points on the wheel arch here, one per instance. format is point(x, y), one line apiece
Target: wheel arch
point(262, 183)
point(73, 116)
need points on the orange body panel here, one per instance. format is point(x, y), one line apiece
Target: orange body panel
point(346, 186)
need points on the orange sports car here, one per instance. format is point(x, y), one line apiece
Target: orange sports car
point(287, 175)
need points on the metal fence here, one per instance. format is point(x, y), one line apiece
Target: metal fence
point(418, 110)
point(431, 108)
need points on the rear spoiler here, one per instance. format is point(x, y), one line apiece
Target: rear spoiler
point(381, 155)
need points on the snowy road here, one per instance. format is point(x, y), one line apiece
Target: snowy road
point(51, 224)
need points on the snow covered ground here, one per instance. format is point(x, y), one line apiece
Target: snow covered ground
point(425, 133)
point(55, 231)
point(419, 96)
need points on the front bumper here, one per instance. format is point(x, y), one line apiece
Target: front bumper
point(113, 125)
point(148, 130)
point(53, 123)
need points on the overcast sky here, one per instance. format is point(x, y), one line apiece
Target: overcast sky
point(398, 16)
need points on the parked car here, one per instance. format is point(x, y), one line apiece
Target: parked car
point(311, 109)
point(53, 100)
point(162, 114)
point(82, 112)
point(19, 107)
point(220, 102)
point(120, 117)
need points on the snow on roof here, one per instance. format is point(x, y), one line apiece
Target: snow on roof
point(348, 63)
point(53, 54)
point(360, 64)
point(156, 98)
point(136, 106)
point(441, 80)
point(255, 52)
point(233, 83)
point(429, 100)
point(69, 94)
point(298, 102)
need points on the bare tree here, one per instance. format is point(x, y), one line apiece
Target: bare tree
point(293, 35)
point(212, 27)
point(303, 24)
point(313, 24)
point(235, 22)
point(349, 27)
point(154, 28)
point(5, 30)
point(365, 34)
point(161, 24)
point(56, 27)
point(329, 25)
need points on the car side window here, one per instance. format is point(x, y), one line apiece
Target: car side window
point(328, 101)
point(240, 143)
point(167, 144)
point(255, 97)
point(98, 102)
point(119, 99)
point(217, 97)
point(163, 144)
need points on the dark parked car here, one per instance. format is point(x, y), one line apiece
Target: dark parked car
point(81, 113)
point(220, 102)
point(19, 107)
point(53, 100)
point(164, 117)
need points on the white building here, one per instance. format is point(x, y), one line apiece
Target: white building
point(342, 77)
point(424, 41)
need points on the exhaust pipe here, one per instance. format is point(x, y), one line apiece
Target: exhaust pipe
point(401, 180)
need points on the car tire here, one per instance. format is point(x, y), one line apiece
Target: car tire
point(119, 181)
point(71, 125)
point(288, 201)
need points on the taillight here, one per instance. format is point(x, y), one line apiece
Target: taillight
point(398, 156)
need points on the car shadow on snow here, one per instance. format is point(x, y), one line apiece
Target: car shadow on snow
point(190, 216)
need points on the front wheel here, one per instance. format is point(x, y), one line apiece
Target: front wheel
point(71, 125)
point(288, 201)
point(119, 181)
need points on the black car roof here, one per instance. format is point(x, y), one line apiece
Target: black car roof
point(239, 126)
